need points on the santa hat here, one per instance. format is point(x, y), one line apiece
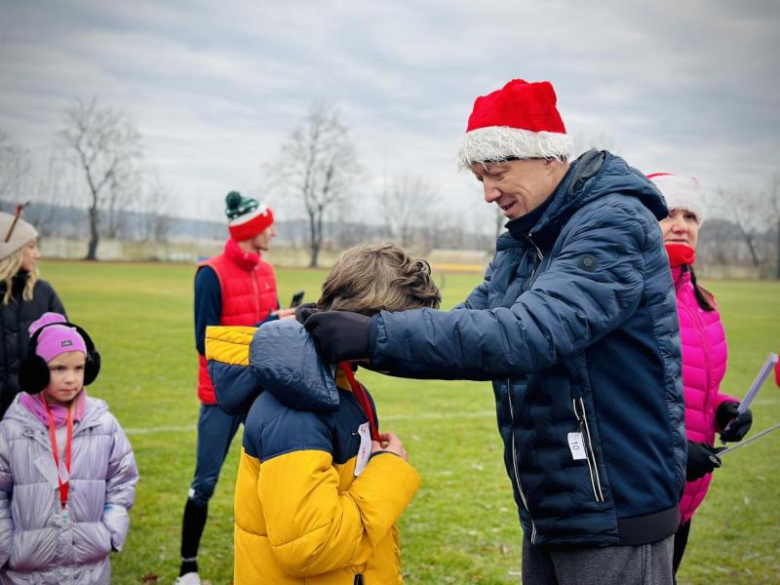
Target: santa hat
point(519, 121)
point(247, 217)
point(681, 193)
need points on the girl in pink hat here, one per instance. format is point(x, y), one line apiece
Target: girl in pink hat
point(67, 472)
point(707, 410)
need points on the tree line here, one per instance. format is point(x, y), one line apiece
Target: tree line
point(98, 163)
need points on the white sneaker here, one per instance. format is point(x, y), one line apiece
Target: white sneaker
point(188, 579)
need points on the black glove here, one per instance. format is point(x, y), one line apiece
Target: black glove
point(702, 459)
point(303, 312)
point(738, 425)
point(340, 335)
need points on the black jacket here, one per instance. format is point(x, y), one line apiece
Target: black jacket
point(15, 318)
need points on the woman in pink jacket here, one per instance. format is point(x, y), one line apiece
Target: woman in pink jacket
point(704, 350)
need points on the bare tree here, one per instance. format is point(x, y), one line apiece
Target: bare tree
point(155, 207)
point(15, 163)
point(106, 145)
point(24, 178)
point(749, 218)
point(719, 244)
point(350, 227)
point(774, 204)
point(407, 207)
point(318, 165)
point(51, 190)
point(120, 196)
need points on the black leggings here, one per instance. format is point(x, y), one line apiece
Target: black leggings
point(680, 541)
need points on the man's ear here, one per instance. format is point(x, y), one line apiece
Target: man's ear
point(552, 165)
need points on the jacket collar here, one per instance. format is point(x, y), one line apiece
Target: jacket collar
point(593, 175)
point(680, 275)
point(244, 260)
point(18, 282)
point(93, 411)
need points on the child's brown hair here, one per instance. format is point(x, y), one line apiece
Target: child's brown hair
point(378, 277)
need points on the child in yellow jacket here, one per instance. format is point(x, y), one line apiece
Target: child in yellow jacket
point(319, 490)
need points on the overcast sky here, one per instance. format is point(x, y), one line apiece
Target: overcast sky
point(687, 87)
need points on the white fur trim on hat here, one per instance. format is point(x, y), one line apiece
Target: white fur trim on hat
point(497, 143)
point(682, 192)
point(247, 217)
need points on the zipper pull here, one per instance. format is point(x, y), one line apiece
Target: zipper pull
point(539, 254)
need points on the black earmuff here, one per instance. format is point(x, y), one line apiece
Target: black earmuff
point(34, 371)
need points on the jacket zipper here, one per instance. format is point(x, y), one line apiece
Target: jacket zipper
point(539, 256)
point(698, 325)
point(256, 297)
point(514, 460)
point(590, 455)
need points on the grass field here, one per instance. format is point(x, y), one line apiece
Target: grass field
point(462, 526)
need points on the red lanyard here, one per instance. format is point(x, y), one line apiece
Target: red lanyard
point(363, 400)
point(64, 487)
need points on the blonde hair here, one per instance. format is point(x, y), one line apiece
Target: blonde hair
point(378, 277)
point(9, 267)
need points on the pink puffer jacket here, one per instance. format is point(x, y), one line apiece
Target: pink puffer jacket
point(704, 353)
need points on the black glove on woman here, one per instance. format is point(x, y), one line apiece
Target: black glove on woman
point(739, 424)
point(702, 459)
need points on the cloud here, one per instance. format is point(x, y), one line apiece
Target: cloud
point(215, 88)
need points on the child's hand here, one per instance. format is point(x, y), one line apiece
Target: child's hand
point(284, 313)
point(391, 443)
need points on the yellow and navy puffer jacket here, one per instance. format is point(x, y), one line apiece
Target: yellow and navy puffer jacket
point(301, 514)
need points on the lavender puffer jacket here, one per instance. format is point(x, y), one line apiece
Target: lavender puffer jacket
point(34, 546)
point(704, 353)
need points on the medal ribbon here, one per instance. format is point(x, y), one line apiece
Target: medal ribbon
point(63, 487)
point(363, 400)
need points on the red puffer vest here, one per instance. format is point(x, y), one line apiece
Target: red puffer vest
point(704, 353)
point(248, 286)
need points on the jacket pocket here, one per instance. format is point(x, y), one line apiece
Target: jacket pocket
point(91, 542)
point(590, 455)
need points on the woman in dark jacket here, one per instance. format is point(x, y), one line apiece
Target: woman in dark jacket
point(23, 299)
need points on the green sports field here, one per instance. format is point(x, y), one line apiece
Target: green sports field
point(462, 526)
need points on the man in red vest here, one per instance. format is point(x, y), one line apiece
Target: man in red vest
point(236, 287)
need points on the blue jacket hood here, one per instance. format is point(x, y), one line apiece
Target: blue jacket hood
point(285, 362)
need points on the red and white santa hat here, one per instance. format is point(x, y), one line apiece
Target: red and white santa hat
point(681, 192)
point(519, 121)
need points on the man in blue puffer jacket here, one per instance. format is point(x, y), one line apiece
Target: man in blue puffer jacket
point(575, 324)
